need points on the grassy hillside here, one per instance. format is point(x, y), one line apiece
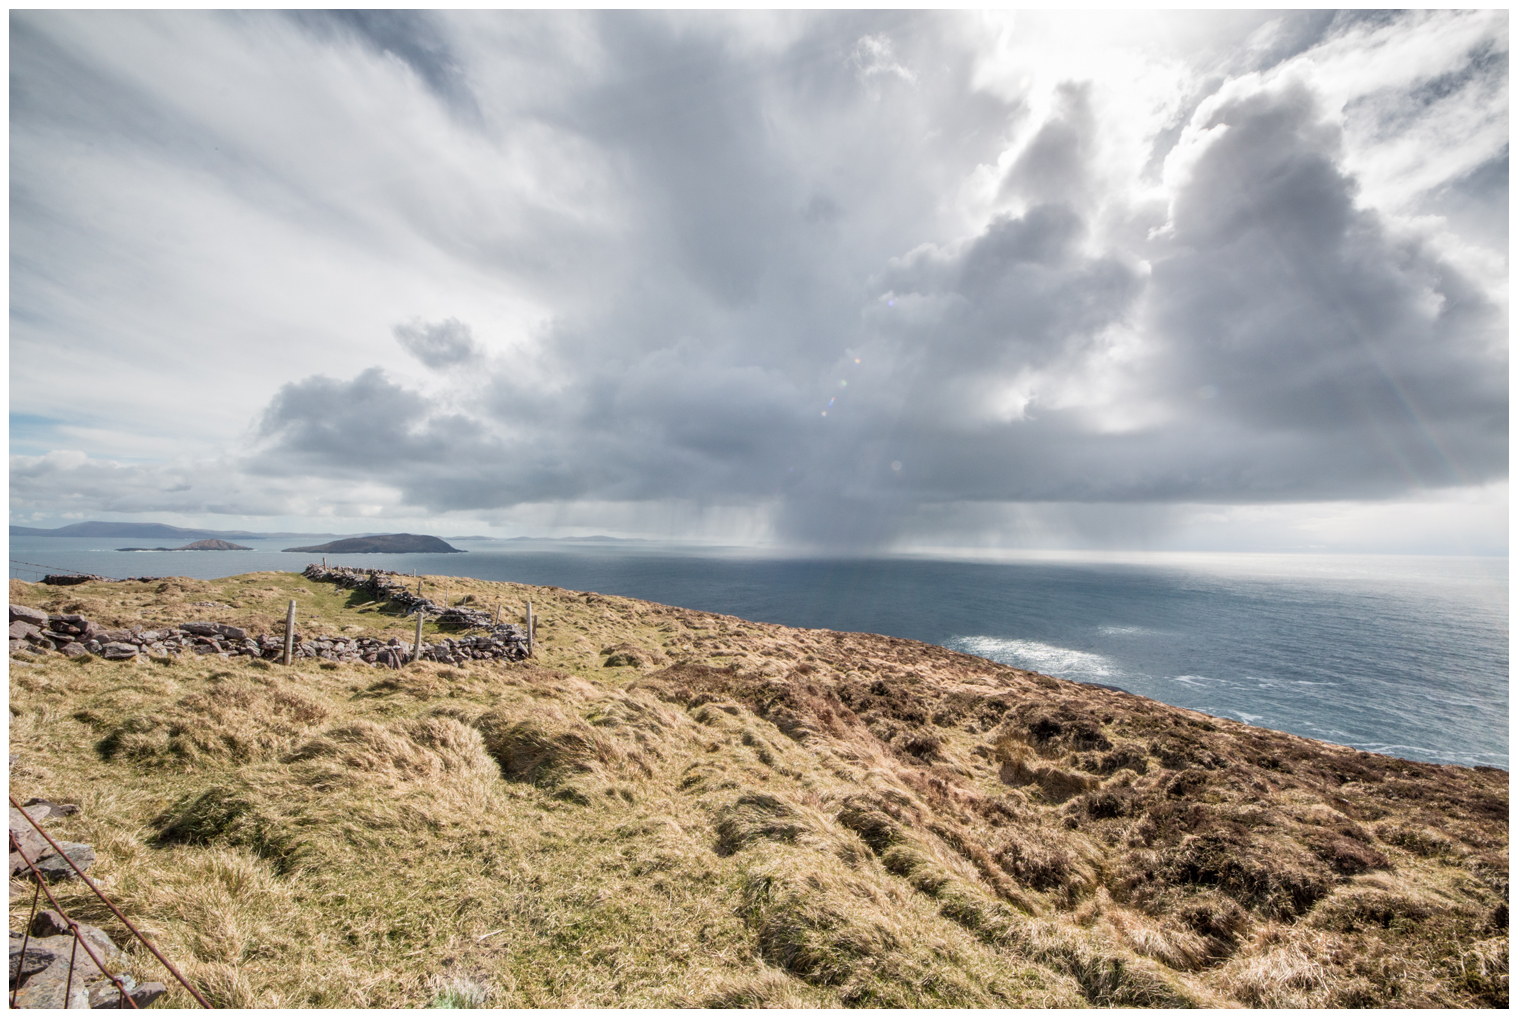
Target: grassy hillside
point(733, 813)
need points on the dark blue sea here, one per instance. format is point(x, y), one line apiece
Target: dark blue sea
point(1404, 655)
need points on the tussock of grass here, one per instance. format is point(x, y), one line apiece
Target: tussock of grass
point(668, 807)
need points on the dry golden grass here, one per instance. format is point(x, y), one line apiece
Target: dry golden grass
point(732, 814)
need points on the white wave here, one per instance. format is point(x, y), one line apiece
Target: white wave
point(1036, 656)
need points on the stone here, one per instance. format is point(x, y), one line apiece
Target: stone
point(200, 628)
point(26, 836)
point(105, 994)
point(28, 615)
point(56, 868)
point(50, 923)
point(21, 629)
point(70, 579)
point(53, 988)
point(232, 632)
point(18, 645)
point(118, 650)
point(38, 957)
point(75, 649)
point(54, 809)
point(70, 621)
point(117, 634)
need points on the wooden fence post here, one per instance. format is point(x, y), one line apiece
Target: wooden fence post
point(289, 631)
point(530, 627)
point(416, 655)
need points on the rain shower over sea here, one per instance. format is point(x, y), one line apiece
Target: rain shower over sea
point(1404, 655)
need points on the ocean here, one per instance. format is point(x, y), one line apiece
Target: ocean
point(1402, 655)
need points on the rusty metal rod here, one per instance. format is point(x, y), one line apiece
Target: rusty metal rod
point(111, 906)
point(27, 937)
point(73, 926)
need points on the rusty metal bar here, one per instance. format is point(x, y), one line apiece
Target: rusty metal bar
point(109, 905)
point(27, 937)
point(73, 928)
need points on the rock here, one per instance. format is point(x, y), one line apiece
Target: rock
point(50, 923)
point(28, 615)
point(38, 957)
point(200, 628)
point(75, 650)
point(54, 809)
point(53, 988)
point(105, 994)
point(54, 965)
point(73, 624)
point(52, 866)
point(70, 579)
point(123, 635)
point(232, 632)
point(118, 650)
point(43, 985)
point(18, 645)
point(21, 629)
point(27, 837)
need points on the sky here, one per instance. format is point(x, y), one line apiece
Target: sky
point(829, 280)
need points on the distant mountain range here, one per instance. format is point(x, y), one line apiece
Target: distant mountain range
point(122, 529)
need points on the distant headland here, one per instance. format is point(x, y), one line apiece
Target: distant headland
point(128, 529)
point(382, 543)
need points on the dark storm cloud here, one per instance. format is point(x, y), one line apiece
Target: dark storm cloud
point(1299, 319)
point(1298, 349)
point(815, 262)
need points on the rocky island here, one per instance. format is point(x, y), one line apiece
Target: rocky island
point(204, 545)
point(381, 543)
point(665, 807)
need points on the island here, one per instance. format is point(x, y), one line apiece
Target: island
point(204, 545)
point(382, 543)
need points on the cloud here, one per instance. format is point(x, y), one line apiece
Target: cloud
point(441, 344)
point(743, 265)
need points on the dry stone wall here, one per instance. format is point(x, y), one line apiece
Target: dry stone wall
point(73, 635)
